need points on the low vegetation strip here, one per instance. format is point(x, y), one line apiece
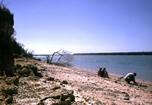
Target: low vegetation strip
point(116, 53)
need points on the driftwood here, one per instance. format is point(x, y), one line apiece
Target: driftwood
point(65, 98)
point(118, 79)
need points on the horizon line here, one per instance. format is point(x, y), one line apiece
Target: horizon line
point(133, 52)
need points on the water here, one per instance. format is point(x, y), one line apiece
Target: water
point(117, 64)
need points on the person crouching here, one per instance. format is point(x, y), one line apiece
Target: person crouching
point(130, 77)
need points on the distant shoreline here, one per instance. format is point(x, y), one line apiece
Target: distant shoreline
point(116, 53)
point(106, 53)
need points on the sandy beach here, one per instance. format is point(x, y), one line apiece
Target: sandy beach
point(87, 88)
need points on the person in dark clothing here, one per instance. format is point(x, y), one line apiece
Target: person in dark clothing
point(99, 71)
point(130, 77)
point(103, 72)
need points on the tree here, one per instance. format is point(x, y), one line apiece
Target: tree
point(63, 57)
point(6, 32)
point(18, 48)
point(51, 60)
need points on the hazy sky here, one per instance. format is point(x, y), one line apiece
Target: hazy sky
point(46, 26)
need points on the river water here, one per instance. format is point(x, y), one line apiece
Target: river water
point(117, 64)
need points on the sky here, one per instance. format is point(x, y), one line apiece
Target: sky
point(82, 26)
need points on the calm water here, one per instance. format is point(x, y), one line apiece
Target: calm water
point(117, 64)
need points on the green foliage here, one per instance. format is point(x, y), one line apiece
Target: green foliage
point(18, 49)
point(8, 44)
point(6, 32)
